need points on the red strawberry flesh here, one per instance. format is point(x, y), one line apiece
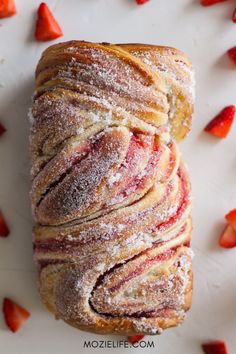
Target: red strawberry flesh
point(232, 55)
point(221, 124)
point(216, 347)
point(141, 2)
point(135, 339)
point(47, 27)
point(234, 16)
point(14, 314)
point(2, 129)
point(211, 2)
point(4, 230)
point(231, 218)
point(228, 237)
point(7, 8)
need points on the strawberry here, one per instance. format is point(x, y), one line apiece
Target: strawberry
point(141, 2)
point(47, 27)
point(234, 16)
point(228, 237)
point(232, 55)
point(210, 2)
point(231, 218)
point(135, 339)
point(221, 124)
point(7, 8)
point(4, 231)
point(14, 315)
point(216, 347)
point(2, 129)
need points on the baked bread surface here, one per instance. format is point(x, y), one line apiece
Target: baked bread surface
point(110, 194)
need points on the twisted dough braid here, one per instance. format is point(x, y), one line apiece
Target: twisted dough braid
point(110, 194)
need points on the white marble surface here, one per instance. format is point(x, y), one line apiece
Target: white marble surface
point(205, 34)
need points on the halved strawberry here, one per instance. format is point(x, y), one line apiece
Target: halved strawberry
point(47, 27)
point(216, 347)
point(2, 129)
point(7, 8)
point(135, 339)
point(14, 314)
point(232, 55)
point(4, 231)
point(141, 2)
point(210, 2)
point(221, 124)
point(228, 237)
point(231, 218)
point(234, 16)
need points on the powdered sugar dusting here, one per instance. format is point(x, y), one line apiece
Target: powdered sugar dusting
point(112, 206)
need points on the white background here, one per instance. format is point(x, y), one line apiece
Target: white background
point(205, 34)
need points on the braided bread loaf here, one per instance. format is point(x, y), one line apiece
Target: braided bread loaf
point(110, 194)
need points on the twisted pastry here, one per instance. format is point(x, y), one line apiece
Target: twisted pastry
point(110, 194)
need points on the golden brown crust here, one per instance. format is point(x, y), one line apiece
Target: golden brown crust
point(178, 74)
point(110, 194)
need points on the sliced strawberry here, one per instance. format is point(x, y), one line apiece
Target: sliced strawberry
point(14, 315)
point(221, 124)
point(231, 218)
point(216, 347)
point(47, 27)
point(7, 8)
point(234, 16)
point(210, 2)
point(228, 237)
point(4, 231)
point(2, 129)
point(141, 2)
point(135, 339)
point(232, 55)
